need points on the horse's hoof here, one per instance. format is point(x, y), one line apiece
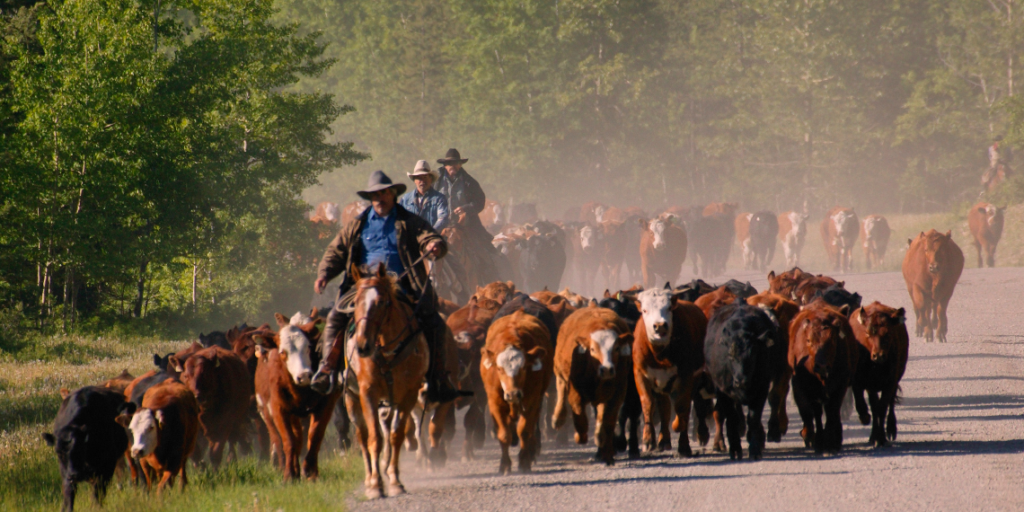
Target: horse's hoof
point(396, 490)
point(373, 494)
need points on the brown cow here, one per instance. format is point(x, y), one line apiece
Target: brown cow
point(516, 366)
point(786, 283)
point(808, 288)
point(710, 302)
point(353, 210)
point(164, 432)
point(496, 291)
point(592, 367)
point(823, 357)
point(575, 300)
point(119, 383)
point(469, 328)
point(434, 415)
point(668, 349)
point(614, 252)
point(784, 310)
point(792, 233)
point(663, 247)
point(284, 398)
point(986, 223)
point(839, 230)
point(885, 346)
point(223, 387)
point(931, 268)
point(558, 305)
point(491, 216)
point(592, 212)
point(742, 224)
point(875, 232)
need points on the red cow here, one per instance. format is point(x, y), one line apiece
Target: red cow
point(742, 224)
point(353, 210)
point(491, 216)
point(592, 212)
point(223, 387)
point(839, 230)
point(885, 347)
point(931, 268)
point(518, 347)
point(469, 328)
point(164, 432)
point(808, 288)
point(875, 232)
point(668, 349)
point(662, 249)
point(786, 283)
point(592, 367)
point(986, 223)
point(285, 400)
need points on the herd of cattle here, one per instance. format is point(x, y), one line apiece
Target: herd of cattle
point(672, 356)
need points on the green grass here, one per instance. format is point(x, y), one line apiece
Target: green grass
point(31, 376)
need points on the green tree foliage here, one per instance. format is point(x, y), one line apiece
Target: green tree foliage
point(142, 152)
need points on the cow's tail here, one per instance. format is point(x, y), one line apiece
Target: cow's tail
point(898, 398)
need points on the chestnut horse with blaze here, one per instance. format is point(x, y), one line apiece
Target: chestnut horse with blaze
point(387, 359)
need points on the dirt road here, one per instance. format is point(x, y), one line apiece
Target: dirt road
point(960, 445)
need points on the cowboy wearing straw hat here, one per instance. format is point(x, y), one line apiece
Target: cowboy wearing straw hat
point(386, 233)
point(424, 200)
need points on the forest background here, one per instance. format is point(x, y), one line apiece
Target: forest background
point(157, 157)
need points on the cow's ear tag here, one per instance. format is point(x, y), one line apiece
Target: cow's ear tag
point(627, 350)
point(537, 366)
point(581, 349)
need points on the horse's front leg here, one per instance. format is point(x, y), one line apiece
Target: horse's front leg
point(399, 417)
point(373, 444)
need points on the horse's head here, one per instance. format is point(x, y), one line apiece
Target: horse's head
point(375, 295)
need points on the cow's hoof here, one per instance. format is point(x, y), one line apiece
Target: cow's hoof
point(774, 436)
point(865, 419)
point(685, 451)
point(665, 446)
point(620, 443)
point(736, 454)
point(634, 454)
point(580, 438)
point(718, 446)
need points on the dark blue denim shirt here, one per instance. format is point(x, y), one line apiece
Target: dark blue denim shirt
point(433, 207)
point(380, 242)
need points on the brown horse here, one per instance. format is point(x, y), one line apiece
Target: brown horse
point(387, 359)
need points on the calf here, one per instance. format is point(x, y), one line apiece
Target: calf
point(710, 302)
point(668, 348)
point(284, 399)
point(496, 291)
point(662, 249)
point(692, 291)
point(740, 349)
point(164, 433)
point(88, 441)
point(592, 367)
point(839, 231)
point(811, 286)
point(875, 232)
point(626, 438)
point(837, 296)
point(764, 227)
point(792, 233)
point(823, 357)
point(786, 283)
point(986, 223)
point(931, 269)
point(516, 366)
point(223, 388)
point(881, 332)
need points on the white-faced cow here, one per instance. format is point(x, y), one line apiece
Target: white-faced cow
point(839, 230)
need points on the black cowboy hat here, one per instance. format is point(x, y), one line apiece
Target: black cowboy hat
point(452, 157)
point(379, 181)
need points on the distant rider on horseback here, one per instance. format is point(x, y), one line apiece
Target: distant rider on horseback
point(385, 233)
point(465, 202)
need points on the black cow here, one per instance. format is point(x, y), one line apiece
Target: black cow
point(742, 291)
point(522, 302)
point(764, 229)
point(837, 296)
point(693, 290)
point(215, 338)
point(542, 259)
point(144, 383)
point(88, 440)
point(738, 353)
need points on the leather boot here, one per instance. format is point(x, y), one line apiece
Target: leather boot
point(331, 351)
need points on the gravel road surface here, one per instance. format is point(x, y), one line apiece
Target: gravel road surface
point(960, 445)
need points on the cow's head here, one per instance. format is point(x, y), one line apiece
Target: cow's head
point(785, 283)
point(512, 365)
point(605, 346)
point(656, 307)
point(934, 254)
point(599, 212)
point(331, 212)
point(294, 345)
point(845, 223)
point(590, 238)
point(657, 228)
point(145, 429)
point(824, 330)
point(200, 375)
point(879, 325)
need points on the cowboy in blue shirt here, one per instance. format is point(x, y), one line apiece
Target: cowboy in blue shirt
point(424, 201)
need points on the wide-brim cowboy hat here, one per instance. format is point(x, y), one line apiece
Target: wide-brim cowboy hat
point(379, 181)
point(452, 157)
point(422, 169)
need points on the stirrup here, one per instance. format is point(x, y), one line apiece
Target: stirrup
point(318, 378)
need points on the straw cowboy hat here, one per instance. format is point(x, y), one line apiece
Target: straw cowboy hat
point(452, 157)
point(422, 169)
point(379, 181)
